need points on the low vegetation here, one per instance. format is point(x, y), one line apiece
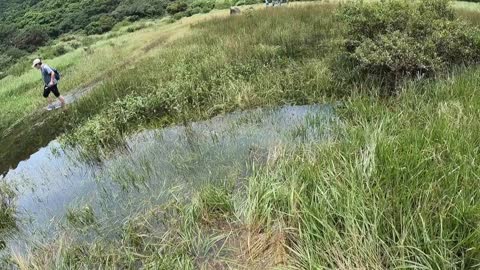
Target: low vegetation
point(271, 66)
point(28, 25)
point(7, 211)
point(391, 42)
point(395, 187)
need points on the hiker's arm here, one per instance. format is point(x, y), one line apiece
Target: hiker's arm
point(52, 78)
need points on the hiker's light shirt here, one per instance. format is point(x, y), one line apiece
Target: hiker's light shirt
point(46, 73)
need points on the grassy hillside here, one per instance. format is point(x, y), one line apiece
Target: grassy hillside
point(27, 25)
point(396, 186)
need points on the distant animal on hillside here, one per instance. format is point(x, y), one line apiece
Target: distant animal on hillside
point(235, 11)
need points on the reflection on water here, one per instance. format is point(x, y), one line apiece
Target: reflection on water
point(179, 158)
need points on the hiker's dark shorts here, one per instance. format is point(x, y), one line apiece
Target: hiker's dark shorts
point(53, 89)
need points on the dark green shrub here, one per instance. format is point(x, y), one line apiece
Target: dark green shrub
point(137, 27)
point(394, 40)
point(59, 50)
point(6, 33)
point(195, 10)
point(206, 9)
point(5, 59)
point(21, 66)
point(75, 44)
point(180, 15)
point(67, 38)
point(15, 53)
point(203, 4)
point(120, 25)
point(170, 20)
point(140, 8)
point(31, 38)
point(177, 7)
point(100, 26)
point(51, 52)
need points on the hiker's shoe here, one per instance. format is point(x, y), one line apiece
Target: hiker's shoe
point(50, 107)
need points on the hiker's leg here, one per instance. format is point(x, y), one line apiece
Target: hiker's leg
point(62, 100)
point(46, 95)
point(57, 94)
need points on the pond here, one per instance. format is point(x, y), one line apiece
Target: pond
point(153, 166)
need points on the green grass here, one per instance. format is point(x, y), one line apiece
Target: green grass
point(21, 103)
point(270, 66)
point(7, 211)
point(395, 188)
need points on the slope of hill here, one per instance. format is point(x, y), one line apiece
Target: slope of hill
point(27, 25)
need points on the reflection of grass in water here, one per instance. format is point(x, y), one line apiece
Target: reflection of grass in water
point(81, 217)
point(7, 210)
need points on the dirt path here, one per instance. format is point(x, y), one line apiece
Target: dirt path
point(77, 93)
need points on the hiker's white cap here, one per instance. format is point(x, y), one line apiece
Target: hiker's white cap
point(36, 61)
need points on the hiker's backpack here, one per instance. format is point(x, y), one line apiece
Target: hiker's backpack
point(57, 74)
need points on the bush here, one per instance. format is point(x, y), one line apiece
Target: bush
point(59, 50)
point(121, 24)
point(206, 9)
point(100, 26)
point(140, 8)
point(180, 15)
point(31, 38)
point(195, 10)
point(203, 4)
point(75, 44)
point(51, 52)
point(137, 27)
point(170, 20)
point(396, 39)
point(177, 7)
point(15, 53)
point(20, 67)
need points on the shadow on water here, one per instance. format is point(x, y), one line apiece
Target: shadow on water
point(54, 185)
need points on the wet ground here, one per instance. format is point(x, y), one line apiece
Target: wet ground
point(153, 165)
point(36, 130)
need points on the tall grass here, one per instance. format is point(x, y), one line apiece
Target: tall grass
point(22, 100)
point(269, 57)
point(7, 211)
point(396, 187)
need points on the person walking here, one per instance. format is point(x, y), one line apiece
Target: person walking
point(51, 83)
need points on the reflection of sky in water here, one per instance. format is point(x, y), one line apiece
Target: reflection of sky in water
point(179, 158)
